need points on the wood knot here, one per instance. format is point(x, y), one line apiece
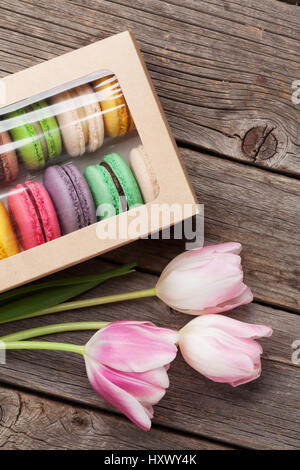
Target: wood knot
point(260, 143)
point(79, 420)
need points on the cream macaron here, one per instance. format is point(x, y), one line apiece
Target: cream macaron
point(144, 173)
point(79, 116)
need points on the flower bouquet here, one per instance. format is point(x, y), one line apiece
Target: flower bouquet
point(127, 361)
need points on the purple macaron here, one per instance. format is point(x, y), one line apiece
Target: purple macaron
point(71, 197)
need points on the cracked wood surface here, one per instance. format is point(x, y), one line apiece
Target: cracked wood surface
point(31, 422)
point(221, 68)
point(263, 414)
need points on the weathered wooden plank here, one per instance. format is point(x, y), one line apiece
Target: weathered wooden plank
point(221, 68)
point(31, 422)
point(263, 414)
point(259, 209)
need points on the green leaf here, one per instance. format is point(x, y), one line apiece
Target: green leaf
point(49, 297)
point(34, 287)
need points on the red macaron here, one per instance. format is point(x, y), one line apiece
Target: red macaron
point(33, 214)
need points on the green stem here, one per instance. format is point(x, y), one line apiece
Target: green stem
point(92, 302)
point(75, 348)
point(50, 329)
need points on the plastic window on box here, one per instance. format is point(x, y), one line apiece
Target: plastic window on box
point(68, 159)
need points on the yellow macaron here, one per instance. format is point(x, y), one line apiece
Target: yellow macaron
point(116, 115)
point(8, 241)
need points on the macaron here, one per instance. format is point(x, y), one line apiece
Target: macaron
point(8, 241)
point(50, 129)
point(144, 173)
point(113, 186)
point(35, 133)
point(8, 159)
point(33, 214)
point(116, 115)
point(79, 116)
point(71, 197)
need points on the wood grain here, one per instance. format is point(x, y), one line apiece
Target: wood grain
point(221, 68)
point(262, 414)
point(259, 209)
point(224, 72)
point(30, 422)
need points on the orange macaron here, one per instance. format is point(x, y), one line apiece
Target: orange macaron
point(116, 114)
point(8, 241)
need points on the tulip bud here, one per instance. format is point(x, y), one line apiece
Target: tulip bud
point(223, 349)
point(127, 364)
point(205, 280)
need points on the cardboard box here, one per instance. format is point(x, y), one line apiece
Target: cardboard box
point(120, 55)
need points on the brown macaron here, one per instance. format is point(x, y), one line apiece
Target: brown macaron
point(8, 159)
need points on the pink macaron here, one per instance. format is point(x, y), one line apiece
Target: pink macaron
point(33, 214)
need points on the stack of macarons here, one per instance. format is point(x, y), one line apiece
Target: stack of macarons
point(68, 201)
point(78, 118)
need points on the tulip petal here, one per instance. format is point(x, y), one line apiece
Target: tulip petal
point(205, 280)
point(157, 377)
point(236, 381)
point(199, 288)
point(171, 336)
point(133, 383)
point(219, 356)
point(228, 247)
point(164, 333)
point(130, 348)
point(117, 397)
point(200, 256)
point(245, 298)
point(231, 326)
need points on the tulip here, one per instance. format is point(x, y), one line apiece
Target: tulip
point(200, 281)
point(205, 280)
point(127, 364)
point(223, 349)
point(126, 361)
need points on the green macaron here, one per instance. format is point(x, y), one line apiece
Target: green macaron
point(50, 130)
point(37, 141)
point(113, 186)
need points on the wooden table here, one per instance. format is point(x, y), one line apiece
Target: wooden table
point(224, 72)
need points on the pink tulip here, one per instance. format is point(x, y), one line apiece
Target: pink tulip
point(205, 280)
point(223, 349)
point(127, 364)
